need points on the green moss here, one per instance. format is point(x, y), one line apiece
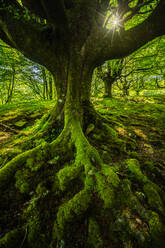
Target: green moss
point(105, 190)
point(20, 123)
point(13, 239)
point(112, 177)
point(157, 230)
point(133, 154)
point(35, 237)
point(90, 128)
point(149, 165)
point(29, 162)
point(72, 210)
point(153, 197)
point(111, 132)
point(97, 136)
point(8, 171)
point(66, 175)
point(22, 181)
point(134, 167)
point(41, 189)
point(128, 199)
point(94, 236)
point(90, 181)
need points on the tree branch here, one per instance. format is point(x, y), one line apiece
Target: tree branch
point(27, 36)
point(120, 44)
point(51, 10)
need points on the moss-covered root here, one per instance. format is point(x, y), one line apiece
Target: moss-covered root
point(142, 222)
point(8, 171)
point(14, 238)
point(70, 213)
point(150, 189)
point(94, 234)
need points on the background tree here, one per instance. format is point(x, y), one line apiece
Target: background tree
point(109, 73)
point(23, 78)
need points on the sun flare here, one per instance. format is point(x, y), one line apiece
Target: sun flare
point(115, 22)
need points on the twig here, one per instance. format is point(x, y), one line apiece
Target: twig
point(26, 231)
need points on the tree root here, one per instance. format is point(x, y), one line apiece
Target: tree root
point(90, 203)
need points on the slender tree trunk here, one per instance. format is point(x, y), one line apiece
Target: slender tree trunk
point(11, 87)
point(108, 88)
point(50, 87)
point(45, 84)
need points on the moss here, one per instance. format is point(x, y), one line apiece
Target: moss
point(94, 236)
point(20, 123)
point(8, 171)
point(128, 199)
point(97, 136)
point(157, 230)
point(90, 128)
point(133, 154)
point(35, 237)
point(134, 167)
point(105, 190)
point(72, 210)
point(111, 132)
point(41, 189)
point(112, 177)
point(66, 175)
point(153, 197)
point(149, 165)
point(22, 181)
point(29, 162)
point(90, 181)
point(13, 239)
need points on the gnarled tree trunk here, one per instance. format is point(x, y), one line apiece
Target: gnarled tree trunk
point(69, 194)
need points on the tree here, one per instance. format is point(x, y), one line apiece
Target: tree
point(109, 73)
point(71, 38)
point(10, 64)
point(19, 75)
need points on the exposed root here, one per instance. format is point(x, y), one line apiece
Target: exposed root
point(78, 201)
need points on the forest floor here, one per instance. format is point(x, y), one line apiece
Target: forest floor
point(137, 121)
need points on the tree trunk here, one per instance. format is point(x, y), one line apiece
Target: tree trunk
point(108, 88)
point(72, 198)
point(11, 87)
point(50, 87)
